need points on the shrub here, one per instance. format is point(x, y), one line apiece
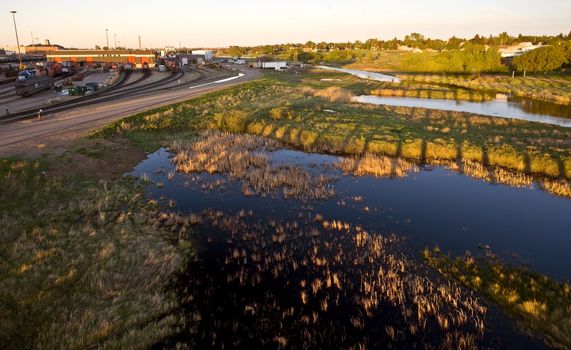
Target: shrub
point(545, 59)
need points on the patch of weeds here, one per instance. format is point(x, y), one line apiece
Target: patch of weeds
point(540, 304)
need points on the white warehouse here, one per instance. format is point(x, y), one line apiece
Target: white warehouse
point(208, 54)
point(277, 65)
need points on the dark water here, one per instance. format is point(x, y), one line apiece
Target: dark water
point(523, 109)
point(432, 207)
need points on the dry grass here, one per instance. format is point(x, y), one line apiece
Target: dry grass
point(244, 158)
point(376, 165)
point(80, 266)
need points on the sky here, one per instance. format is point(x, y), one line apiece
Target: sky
point(220, 23)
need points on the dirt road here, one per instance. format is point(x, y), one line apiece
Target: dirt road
point(33, 136)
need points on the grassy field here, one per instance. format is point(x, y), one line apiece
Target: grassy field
point(553, 88)
point(81, 264)
point(541, 305)
point(380, 61)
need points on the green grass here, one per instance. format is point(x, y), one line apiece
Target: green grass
point(540, 305)
point(553, 88)
point(80, 263)
point(380, 61)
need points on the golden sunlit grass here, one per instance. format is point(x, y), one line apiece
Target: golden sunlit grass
point(375, 165)
point(244, 158)
point(80, 266)
point(539, 304)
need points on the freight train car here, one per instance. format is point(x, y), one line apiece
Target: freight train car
point(28, 83)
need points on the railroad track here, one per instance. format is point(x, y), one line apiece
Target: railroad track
point(121, 90)
point(108, 94)
point(146, 75)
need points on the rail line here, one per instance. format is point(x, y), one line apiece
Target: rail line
point(108, 94)
point(121, 90)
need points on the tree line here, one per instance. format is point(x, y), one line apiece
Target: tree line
point(413, 40)
point(455, 55)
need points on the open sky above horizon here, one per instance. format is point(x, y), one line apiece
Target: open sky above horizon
point(252, 22)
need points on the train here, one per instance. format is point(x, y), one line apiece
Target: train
point(29, 83)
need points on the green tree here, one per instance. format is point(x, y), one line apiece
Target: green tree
point(236, 51)
point(544, 59)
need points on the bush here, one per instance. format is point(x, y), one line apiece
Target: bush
point(545, 59)
point(232, 121)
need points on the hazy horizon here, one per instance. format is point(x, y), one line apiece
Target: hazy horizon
point(254, 22)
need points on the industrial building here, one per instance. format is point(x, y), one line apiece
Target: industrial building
point(196, 57)
point(276, 65)
point(43, 48)
point(136, 58)
point(10, 50)
point(207, 55)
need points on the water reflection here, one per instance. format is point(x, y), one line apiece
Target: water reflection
point(512, 109)
point(364, 74)
point(433, 206)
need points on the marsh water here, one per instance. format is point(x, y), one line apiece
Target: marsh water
point(434, 206)
point(259, 275)
point(503, 107)
point(523, 109)
point(364, 74)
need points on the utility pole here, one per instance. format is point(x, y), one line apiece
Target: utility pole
point(107, 37)
point(115, 38)
point(140, 48)
point(17, 39)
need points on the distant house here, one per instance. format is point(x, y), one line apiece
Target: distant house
point(408, 48)
point(518, 49)
point(309, 49)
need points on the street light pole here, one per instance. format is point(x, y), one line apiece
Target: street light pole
point(17, 39)
point(107, 37)
point(115, 38)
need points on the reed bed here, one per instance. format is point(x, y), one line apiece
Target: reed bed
point(376, 165)
point(244, 158)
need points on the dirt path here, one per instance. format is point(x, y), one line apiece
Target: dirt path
point(35, 137)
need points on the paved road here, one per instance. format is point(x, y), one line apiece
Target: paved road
point(20, 137)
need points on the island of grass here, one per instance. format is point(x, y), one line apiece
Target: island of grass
point(540, 305)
